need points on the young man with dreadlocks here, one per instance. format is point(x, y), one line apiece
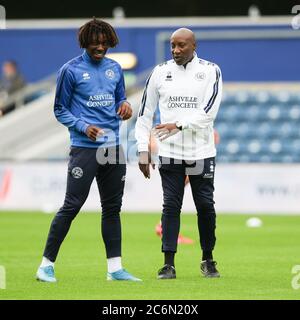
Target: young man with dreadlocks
point(90, 100)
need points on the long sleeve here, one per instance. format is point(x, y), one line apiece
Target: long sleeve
point(210, 105)
point(64, 91)
point(145, 117)
point(120, 95)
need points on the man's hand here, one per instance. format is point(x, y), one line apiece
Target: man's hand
point(94, 132)
point(164, 131)
point(125, 111)
point(144, 163)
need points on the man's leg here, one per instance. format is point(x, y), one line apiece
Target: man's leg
point(111, 181)
point(172, 177)
point(81, 172)
point(181, 239)
point(202, 189)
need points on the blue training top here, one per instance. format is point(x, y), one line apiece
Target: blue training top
point(90, 93)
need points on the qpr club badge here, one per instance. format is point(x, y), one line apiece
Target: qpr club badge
point(109, 74)
point(200, 76)
point(77, 172)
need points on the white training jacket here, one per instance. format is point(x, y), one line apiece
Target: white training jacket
point(189, 96)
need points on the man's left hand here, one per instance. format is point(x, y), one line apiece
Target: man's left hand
point(125, 111)
point(164, 131)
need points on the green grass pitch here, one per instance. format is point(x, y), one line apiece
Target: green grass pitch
point(255, 263)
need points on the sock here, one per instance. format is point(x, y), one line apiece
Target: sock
point(169, 258)
point(46, 262)
point(114, 264)
point(207, 255)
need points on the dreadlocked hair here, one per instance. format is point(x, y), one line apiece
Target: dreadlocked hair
point(89, 33)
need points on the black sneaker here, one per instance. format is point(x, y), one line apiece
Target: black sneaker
point(208, 269)
point(167, 272)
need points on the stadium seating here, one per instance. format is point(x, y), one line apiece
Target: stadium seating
point(254, 126)
point(259, 126)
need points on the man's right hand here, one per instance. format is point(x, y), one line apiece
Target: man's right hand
point(144, 163)
point(94, 132)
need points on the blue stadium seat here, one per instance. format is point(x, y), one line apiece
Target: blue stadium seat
point(265, 129)
point(262, 97)
point(286, 129)
point(233, 147)
point(295, 98)
point(281, 97)
point(243, 129)
point(274, 112)
point(275, 146)
point(255, 146)
point(242, 97)
point(259, 126)
point(294, 112)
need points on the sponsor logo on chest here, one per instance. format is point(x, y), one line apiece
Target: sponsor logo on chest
point(101, 100)
point(182, 102)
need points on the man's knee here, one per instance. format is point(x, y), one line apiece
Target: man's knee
point(111, 209)
point(171, 209)
point(205, 206)
point(173, 202)
point(71, 207)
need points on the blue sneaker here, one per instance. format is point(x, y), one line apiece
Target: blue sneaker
point(121, 274)
point(46, 274)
